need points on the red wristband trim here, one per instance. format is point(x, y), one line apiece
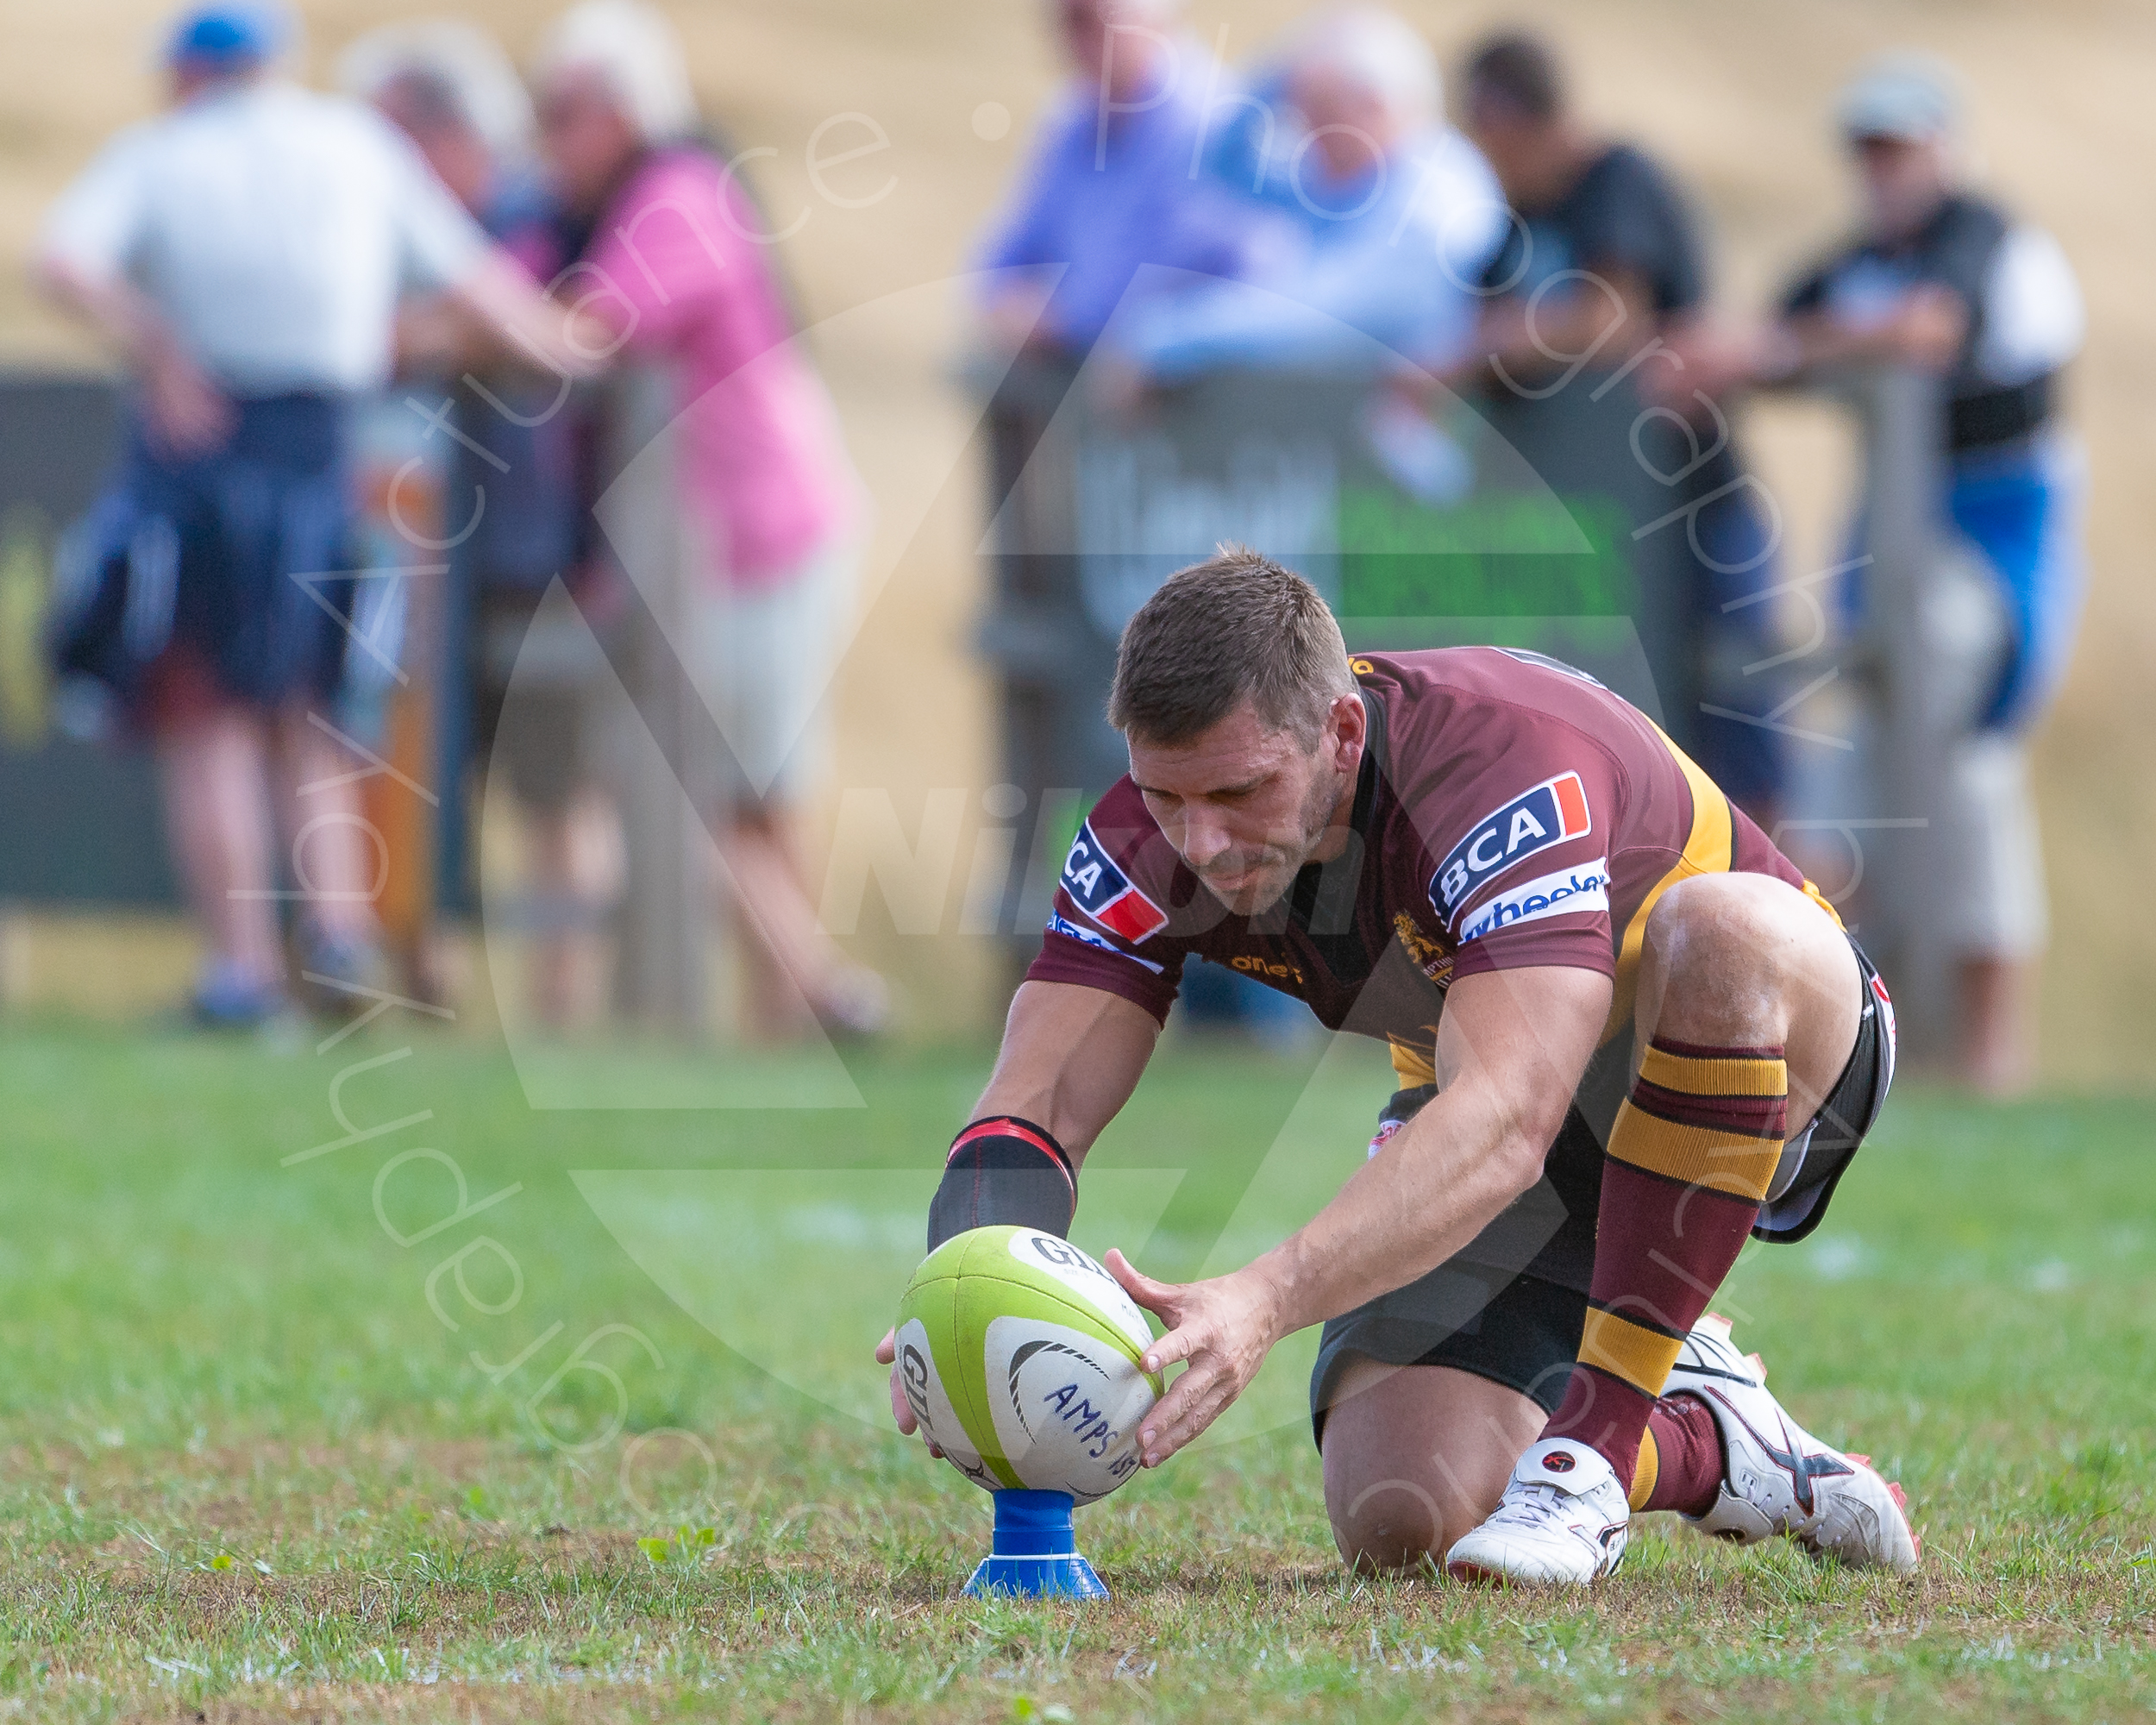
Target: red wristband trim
point(1009, 1126)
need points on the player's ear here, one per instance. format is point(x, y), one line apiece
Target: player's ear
point(1347, 726)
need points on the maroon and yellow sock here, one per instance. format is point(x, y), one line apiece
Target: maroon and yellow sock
point(1689, 1161)
point(1681, 1461)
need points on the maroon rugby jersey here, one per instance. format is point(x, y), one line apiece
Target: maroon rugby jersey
point(1510, 812)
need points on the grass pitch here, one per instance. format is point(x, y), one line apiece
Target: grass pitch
point(603, 1441)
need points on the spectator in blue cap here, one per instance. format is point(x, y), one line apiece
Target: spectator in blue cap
point(212, 41)
point(244, 251)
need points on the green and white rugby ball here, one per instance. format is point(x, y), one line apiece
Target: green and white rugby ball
point(1020, 1356)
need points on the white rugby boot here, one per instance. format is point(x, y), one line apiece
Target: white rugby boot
point(1563, 1521)
point(1777, 1476)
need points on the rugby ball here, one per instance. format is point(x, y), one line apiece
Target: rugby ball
point(1020, 1355)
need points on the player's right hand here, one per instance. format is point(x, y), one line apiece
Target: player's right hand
point(902, 1410)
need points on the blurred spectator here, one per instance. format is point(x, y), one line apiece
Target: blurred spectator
point(448, 85)
point(1395, 212)
point(1604, 257)
point(244, 250)
point(451, 89)
point(1113, 183)
point(1940, 278)
point(673, 262)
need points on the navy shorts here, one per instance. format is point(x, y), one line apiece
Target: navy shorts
point(200, 559)
point(1523, 1331)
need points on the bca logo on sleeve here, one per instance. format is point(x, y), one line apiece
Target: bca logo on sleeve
point(1551, 813)
point(1104, 891)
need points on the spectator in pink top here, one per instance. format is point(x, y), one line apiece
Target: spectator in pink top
point(673, 262)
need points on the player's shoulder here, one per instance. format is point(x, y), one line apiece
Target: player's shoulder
point(1459, 682)
point(1463, 725)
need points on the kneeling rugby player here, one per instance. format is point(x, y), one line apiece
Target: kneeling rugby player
point(1629, 1036)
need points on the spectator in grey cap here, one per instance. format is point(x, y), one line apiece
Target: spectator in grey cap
point(244, 252)
point(1940, 278)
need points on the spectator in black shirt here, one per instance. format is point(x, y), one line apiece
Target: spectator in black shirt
point(1604, 259)
point(1940, 278)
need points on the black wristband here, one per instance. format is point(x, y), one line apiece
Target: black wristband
point(1003, 1170)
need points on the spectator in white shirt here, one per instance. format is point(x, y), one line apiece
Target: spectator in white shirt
point(245, 251)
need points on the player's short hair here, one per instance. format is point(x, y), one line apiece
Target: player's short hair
point(1236, 627)
point(1520, 70)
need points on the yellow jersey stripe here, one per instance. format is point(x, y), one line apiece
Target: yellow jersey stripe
point(1411, 1065)
point(1707, 849)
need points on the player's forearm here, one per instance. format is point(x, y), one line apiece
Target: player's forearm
point(1069, 1060)
point(1509, 1052)
point(1438, 1182)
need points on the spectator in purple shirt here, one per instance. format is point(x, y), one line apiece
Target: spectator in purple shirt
point(1114, 180)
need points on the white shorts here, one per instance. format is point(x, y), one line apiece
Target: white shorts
point(763, 660)
point(1985, 894)
point(1991, 901)
point(1994, 901)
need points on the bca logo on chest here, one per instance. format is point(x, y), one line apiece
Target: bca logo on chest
point(1104, 891)
point(1551, 813)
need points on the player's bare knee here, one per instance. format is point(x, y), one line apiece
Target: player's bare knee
point(1388, 1524)
point(1718, 958)
point(1711, 919)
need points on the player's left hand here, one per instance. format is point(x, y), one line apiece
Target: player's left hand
point(902, 1410)
point(1222, 1329)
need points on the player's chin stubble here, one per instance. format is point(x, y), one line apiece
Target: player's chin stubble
point(1279, 863)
